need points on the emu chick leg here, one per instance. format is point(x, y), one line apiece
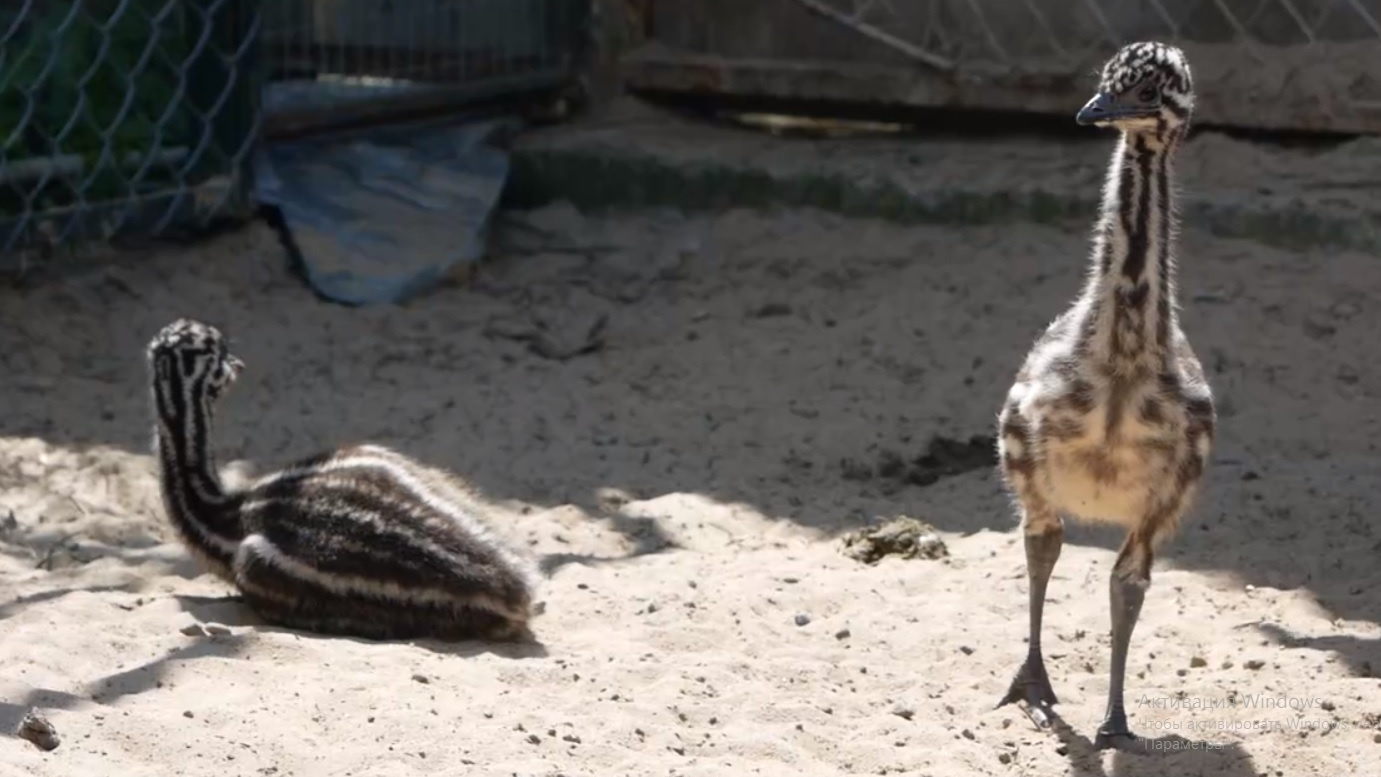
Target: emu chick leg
point(1131, 576)
point(1044, 540)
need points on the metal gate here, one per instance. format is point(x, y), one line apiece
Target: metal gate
point(1311, 65)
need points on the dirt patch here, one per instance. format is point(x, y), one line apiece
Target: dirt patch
point(902, 537)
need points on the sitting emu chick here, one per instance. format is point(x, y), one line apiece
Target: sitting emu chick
point(360, 541)
point(1110, 418)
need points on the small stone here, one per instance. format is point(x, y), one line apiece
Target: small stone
point(771, 310)
point(1198, 662)
point(420, 678)
point(193, 630)
point(572, 738)
point(217, 630)
point(1181, 672)
point(967, 734)
point(1376, 738)
point(802, 619)
point(966, 650)
point(35, 728)
point(1254, 664)
point(1062, 750)
point(1328, 706)
point(187, 714)
point(534, 739)
point(903, 711)
point(1227, 664)
point(1004, 758)
point(853, 469)
point(842, 634)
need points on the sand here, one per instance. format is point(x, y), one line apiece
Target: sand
point(685, 481)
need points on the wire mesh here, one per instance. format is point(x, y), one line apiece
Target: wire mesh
point(122, 116)
point(140, 117)
point(334, 55)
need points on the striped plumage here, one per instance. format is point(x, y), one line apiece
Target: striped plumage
point(361, 541)
point(1110, 418)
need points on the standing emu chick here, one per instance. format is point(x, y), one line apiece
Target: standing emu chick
point(360, 541)
point(1110, 418)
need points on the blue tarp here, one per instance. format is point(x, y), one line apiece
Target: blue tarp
point(376, 220)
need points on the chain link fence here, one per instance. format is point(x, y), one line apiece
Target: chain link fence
point(1312, 65)
point(122, 117)
point(336, 62)
point(142, 117)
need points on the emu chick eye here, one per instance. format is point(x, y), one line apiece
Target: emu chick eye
point(1147, 94)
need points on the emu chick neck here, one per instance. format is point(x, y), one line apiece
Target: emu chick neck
point(1129, 300)
point(205, 516)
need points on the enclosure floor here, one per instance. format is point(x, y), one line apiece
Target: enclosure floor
point(683, 484)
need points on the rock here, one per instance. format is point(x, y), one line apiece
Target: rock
point(903, 710)
point(1198, 662)
point(802, 619)
point(1254, 664)
point(842, 634)
point(193, 630)
point(420, 678)
point(35, 728)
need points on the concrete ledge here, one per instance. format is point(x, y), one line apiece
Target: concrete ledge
point(637, 157)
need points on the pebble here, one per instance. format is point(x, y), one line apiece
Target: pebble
point(903, 711)
point(35, 728)
point(1254, 664)
point(1198, 662)
point(842, 634)
point(420, 678)
point(193, 630)
point(802, 619)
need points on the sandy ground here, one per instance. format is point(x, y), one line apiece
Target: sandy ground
point(684, 483)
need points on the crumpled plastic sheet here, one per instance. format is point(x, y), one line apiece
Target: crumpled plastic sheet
point(378, 220)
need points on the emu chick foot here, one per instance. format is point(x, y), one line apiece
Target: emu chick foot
point(1032, 685)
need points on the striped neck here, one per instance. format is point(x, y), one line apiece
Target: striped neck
point(1130, 295)
point(205, 516)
